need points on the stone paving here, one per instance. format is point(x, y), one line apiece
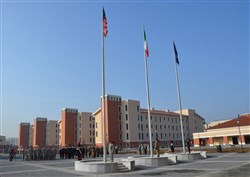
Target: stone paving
point(216, 165)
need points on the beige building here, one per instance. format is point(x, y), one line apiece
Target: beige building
point(86, 128)
point(52, 133)
point(133, 124)
point(232, 132)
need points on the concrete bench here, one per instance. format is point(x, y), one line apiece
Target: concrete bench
point(202, 153)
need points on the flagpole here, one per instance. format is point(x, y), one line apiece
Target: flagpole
point(103, 102)
point(180, 107)
point(148, 100)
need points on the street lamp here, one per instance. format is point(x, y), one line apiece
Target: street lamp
point(238, 122)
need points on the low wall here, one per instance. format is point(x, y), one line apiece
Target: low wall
point(96, 167)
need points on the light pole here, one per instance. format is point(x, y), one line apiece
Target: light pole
point(238, 122)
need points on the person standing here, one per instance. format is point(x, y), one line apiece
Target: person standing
point(188, 145)
point(157, 147)
point(111, 149)
point(172, 146)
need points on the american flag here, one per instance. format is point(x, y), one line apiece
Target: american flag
point(105, 24)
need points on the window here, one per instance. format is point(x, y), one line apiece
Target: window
point(141, 118)
point(79, 117)
point(90, 132)
point(80, 125)
point(126, 107)
point(139, 136)
point(142, 136)
point(172, 127)
point(120, 137)
point(126, 116)
point(126, 126)
point(89, 125)
point(138, 108)
point(160, 127)
point(96, 125)
point(120, 126)
point(90, 140)
point(161, 135)
point(150, 117)
point(127, 136)
point(156, 127)
point(160, 119)
point(120, 117)
point(141, 126)
point(146, 117)
point(119, 108)
point(147, 134)
point(138, 126)
point(96, 134)
point(172, 120)
point(146, 125)
point(75, 125)
point(80, 132)
point(90, 118)
point(93, 125)
point(138, 117)
point(155, 119)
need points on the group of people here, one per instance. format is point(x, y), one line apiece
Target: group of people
point(145, 148)
point(84, 152)
point(45, 153)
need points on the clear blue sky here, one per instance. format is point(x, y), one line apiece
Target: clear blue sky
point(51, 57)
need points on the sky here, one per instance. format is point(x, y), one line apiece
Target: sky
point(51, 53)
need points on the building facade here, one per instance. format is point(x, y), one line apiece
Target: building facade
point(127, 124)
point(23, 135)
point(232, 132)
point(39, 132)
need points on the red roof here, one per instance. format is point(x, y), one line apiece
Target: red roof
point(244, 120)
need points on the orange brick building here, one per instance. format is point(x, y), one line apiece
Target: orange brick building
point(69, 127)
point(23, 135)
point(39, 134)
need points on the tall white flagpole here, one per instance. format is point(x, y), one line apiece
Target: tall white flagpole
point(148, 100)
point(179, 99)
point(103, 101)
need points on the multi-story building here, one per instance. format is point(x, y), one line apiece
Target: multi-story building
point(23, 135)
point(86, 128)
point(127, 124)
point(39, 132)
point(52, 133)
point(69, 127)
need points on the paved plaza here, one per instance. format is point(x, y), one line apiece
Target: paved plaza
point(216, 165)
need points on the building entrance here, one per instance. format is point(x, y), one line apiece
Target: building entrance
point(235, 140)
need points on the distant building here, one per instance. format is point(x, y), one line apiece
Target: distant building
point(68, 127)
point(232, 132)
point(23, 135)
point(12, 141)
point(126, 126)
point(52, 133)
point(2, 140)
point(39, 133)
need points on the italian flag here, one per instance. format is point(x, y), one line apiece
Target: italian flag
point(145, 45)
